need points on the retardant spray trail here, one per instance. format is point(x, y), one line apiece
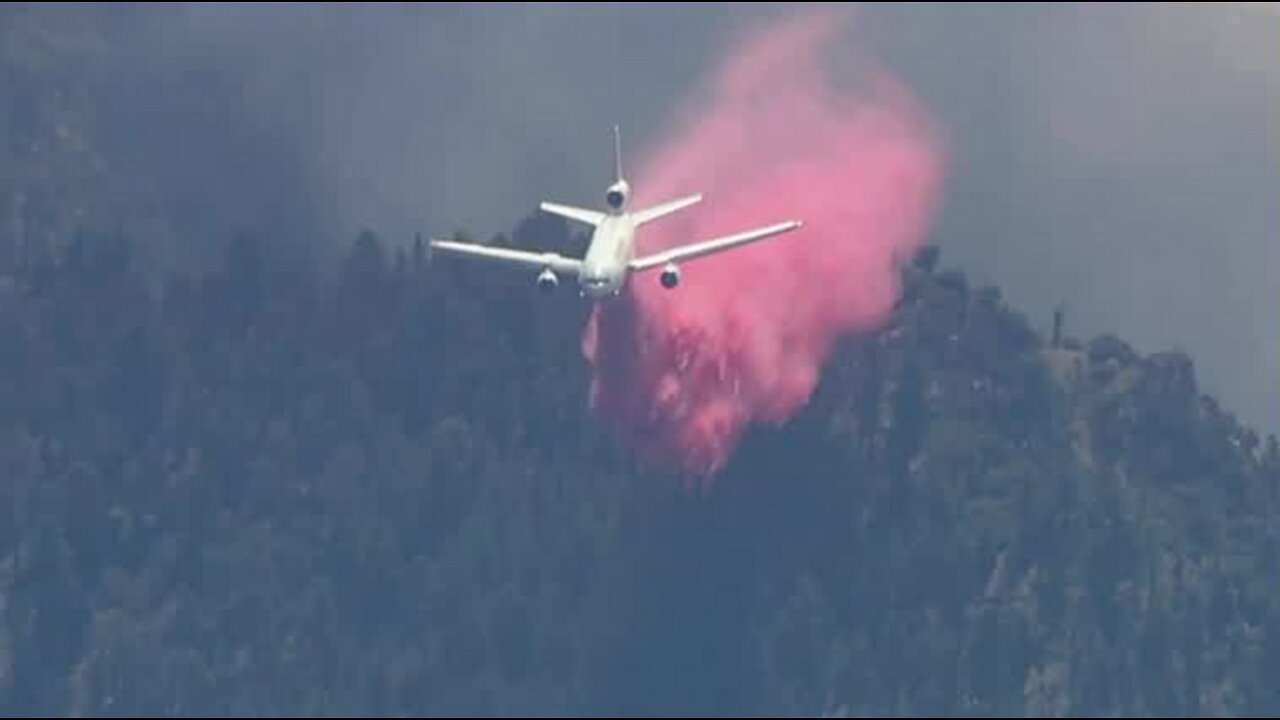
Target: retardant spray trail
point(681, 374)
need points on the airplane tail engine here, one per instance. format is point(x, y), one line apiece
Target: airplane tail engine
point(670, 276)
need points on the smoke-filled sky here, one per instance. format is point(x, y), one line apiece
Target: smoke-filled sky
point(1124, 160)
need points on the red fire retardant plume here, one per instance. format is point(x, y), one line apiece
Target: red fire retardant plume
point(681, 374)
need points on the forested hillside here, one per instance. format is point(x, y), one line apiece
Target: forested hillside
point(267, 485)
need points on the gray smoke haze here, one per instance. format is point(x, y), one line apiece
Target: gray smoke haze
point(451, 117)
point(1124, 160)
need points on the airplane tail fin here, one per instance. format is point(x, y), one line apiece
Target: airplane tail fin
point(617, 152)
point(657, 211)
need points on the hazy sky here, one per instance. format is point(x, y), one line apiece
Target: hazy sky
point(1124, 160)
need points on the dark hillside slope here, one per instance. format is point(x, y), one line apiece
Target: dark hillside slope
point(966, 521)
point(264, 492)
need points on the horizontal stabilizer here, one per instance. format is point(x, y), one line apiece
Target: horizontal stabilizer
point(657, 211)
point(582, 215)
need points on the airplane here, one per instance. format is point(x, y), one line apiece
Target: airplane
point(610, 259)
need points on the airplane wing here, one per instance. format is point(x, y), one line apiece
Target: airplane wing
point(650, 214)
point(582, 215)
point(557, 263)
point(706, 247)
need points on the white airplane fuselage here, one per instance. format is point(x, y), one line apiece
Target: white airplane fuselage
point(606, 265)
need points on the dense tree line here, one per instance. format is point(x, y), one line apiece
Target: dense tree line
point(267, 488)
